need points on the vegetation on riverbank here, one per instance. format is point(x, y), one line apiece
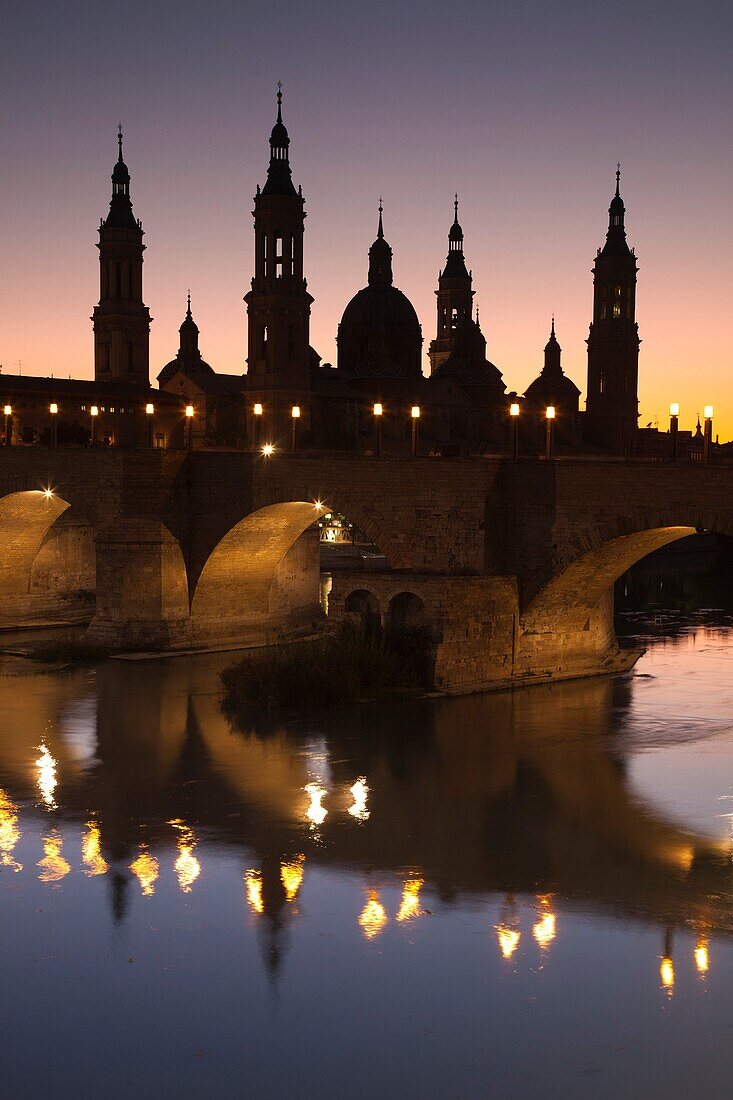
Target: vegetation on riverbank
point(68, 649)
point(349, 666)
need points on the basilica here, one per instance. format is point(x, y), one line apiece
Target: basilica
point(372, 396)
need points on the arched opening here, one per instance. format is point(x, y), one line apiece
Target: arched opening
point(263, 576)
point(406, 612)
point(42, 565)
point(362, 608)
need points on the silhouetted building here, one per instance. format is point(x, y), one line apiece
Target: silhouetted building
point(612, 405)
point(121, 319)
point(279, 355)
point(379, 336)
point(218, 399)
point(552, 387)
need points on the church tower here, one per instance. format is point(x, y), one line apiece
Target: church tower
point(612, 405)
point(278, 305)
point(455, 296)
point(121, 319)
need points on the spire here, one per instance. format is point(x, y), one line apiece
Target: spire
point(120, 208)
point(189, 343)
point(279, 180)
point(455, 267)
point(380, 257)
point(553, 352)
point(616, 236)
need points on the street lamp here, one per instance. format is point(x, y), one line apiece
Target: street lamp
point(53, 409)
point(708, 432)
point(149, 410)
point(674, 423)
point(415, 414)
point(8, 411)
point(378, 410)
point(94, 413)
point(258, 410)
point(295, 417)
point(550, 415)
point(514, 422)
point(189, 418)
point(268, 450)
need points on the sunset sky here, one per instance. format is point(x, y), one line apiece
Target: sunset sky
point(522, 108)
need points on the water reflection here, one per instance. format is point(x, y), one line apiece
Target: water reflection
point(291, 876)
point(545, 929)
point(373, 916)
point(410, 904)
point(9, 833)
point(91, 851)
point(187, 866)
point(53, 865)
point(253, 884)
point(46, 777)
point(146, 870)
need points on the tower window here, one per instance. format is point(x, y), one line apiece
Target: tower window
point(278, 258)
point(263, 342)
point(600, 385)
point(292, 254)
point(264, 255)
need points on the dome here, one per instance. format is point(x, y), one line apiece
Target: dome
point(279, 136)
point(120, 173)
point(456, 233)
point(380, 335)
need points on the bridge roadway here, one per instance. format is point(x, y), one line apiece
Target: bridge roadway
point(511, 564)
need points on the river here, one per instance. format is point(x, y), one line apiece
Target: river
point(510, 895)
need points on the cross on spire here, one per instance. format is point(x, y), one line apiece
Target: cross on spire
point(618, 176)
point(380, 230)
point(279, 99)
point(455, 206)
point(119, 139)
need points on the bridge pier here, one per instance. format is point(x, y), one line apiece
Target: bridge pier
point(142, 594)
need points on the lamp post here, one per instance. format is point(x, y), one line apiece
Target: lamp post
point(295, 419)
point(674, 423)
point(708, 432)
point(550, 420)
point(53, 409)
point(514, 428)
point(8, 411)
point(189, 418)
point(94, 413)
point(378, 410)
point(415, 415)
point(258, 410)
point(149, 410)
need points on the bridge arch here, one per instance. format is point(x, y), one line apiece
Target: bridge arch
point(28, 520)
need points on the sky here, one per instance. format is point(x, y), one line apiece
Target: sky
point(522, 108)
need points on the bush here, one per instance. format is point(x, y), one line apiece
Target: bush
point(349, 666)
point(71, 649)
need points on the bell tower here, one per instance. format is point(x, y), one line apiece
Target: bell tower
point(454, 294)
point(121, 320)
point(612, 404)
point(278, 304)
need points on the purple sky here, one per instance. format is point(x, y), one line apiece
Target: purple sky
point(523, 109)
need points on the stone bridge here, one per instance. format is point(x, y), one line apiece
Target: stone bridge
point(510, 563)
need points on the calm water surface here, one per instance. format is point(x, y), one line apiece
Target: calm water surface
point(511, 895)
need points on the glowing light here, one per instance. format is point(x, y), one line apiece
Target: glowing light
point(9, 832)
point(674, 409)
point(291, 876)
point(146, 870)
point(318, 504)
point(258, 410)
point(295, 412)
point(514, 409)
point(187, 867)
point(48, 494)
point(53, 866)
point(268, 449)
point(666, 973)
point(545, 929)
point(360, 792)
point(508, 939)
point(378, 410)
point(702, 959)
point(253, 882)
point(91, 851)
point(8, 410)
point(415, 412)
point(550, 412)
point(94, 411)
point(410, 905)
point(707, 412)
point(189, 411)
point(373, 916)
point(46, 779)
point(53, 408)
point(315, 813)
point(149, 409)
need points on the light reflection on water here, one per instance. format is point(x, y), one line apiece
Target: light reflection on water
point(533, 889)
